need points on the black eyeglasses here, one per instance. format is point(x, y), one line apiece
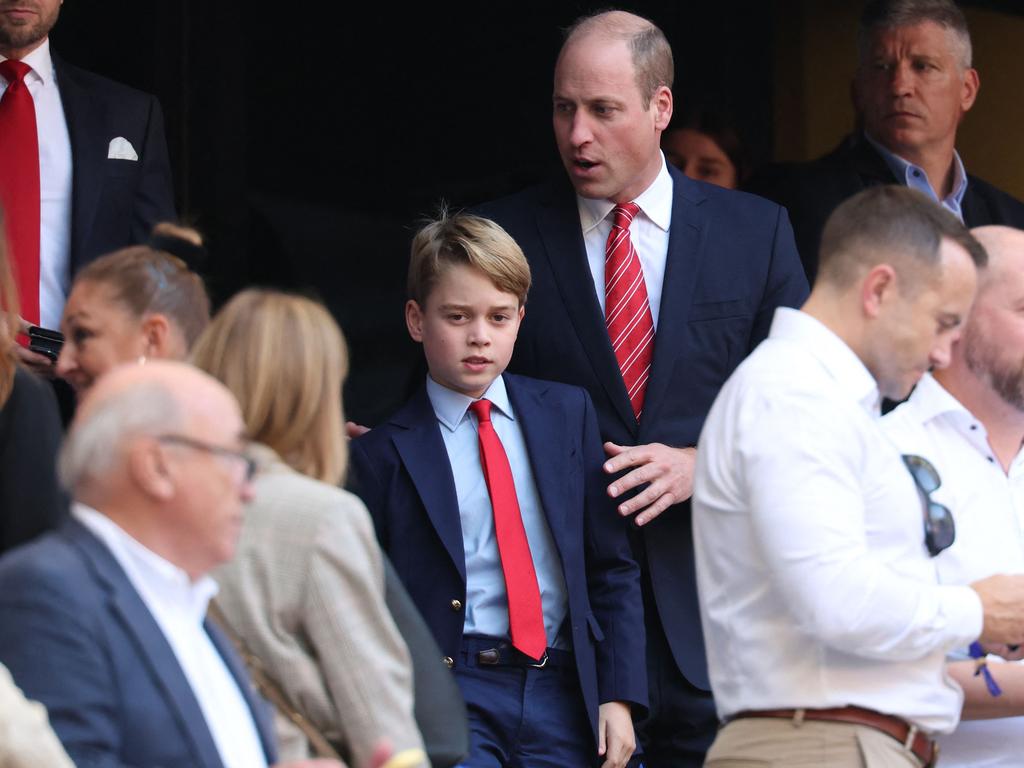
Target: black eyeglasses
point(216, 450)
point(939, 530)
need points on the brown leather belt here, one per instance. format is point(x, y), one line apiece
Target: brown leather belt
point(923, 748)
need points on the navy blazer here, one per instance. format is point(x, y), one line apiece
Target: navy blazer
point(731, 261)
point(77, 637)
point(114, 203)
point(407, 484)
point(811, 191)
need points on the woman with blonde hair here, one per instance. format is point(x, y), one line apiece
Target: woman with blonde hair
point(31, 501)
point(305, 592)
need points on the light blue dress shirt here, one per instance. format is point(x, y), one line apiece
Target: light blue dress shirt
point(486, 597)
point(915, 178)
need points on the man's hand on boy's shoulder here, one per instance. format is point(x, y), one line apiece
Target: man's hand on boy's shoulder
point(616, 738)
point(668, 473)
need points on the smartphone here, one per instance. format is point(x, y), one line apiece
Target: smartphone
point(45, 342)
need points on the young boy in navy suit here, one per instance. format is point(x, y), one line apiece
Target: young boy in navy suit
point(488, 495)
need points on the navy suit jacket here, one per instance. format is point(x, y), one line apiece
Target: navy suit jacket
point(408, 486)
point(811, 191)
point(114, 203)
point(77, 637)
point(731, 261)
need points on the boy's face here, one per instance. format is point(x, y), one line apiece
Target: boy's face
point(468, 329)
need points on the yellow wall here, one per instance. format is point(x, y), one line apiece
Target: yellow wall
point(815, 55)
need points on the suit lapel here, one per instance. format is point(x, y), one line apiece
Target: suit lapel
point(150, 644)
point(686, 240)
point(559, 225)
point(870, 165)
point(85, 124)
point(544, 430)
point(260, 710)
point(420, 444)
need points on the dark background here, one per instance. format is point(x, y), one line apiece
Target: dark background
point(305, 143)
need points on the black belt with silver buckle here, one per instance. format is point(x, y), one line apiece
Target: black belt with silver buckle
point(481, 651)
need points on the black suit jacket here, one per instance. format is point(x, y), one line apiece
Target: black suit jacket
point(811, 191)
point(114, 203)
point(731, 261)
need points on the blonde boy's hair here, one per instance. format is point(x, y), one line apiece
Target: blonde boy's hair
point(463, 238)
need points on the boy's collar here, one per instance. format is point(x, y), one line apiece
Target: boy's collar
point(450, 406)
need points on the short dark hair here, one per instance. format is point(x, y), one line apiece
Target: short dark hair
point(890, 14)
point(893, 225)
point(651, 52)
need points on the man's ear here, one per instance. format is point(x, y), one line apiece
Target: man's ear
point(147, 465)
point(662, 103)
point(877, 287)
point(414, 320)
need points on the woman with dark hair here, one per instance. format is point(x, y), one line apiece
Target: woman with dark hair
point(705, 145)
point(30, 498)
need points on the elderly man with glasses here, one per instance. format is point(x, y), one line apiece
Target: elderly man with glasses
point(104, 619)
point(826, 628)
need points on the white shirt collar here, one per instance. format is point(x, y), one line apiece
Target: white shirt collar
point(451, 406)
point(842, 364)
point(149, 572)
point(40, 61)
point(655, 202)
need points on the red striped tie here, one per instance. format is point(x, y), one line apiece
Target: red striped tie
point(19, 183)
point(626, 309)
point(525, 616)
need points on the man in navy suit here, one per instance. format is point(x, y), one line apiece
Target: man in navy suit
point(523, 573)
point(103, 619)
point(104, 173)
point(716, 264)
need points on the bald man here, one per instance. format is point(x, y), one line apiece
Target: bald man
point(104, 619)
point(967, 420)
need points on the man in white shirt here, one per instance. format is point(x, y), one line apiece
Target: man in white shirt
point(968, 421)
point(825, 626)
point(104, 619)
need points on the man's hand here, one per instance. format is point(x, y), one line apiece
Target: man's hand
point(615, 737)
point(1002, 600)
point(353, 430)
point(40, 365)
point(669, 472)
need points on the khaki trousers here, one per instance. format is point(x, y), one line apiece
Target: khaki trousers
point(758, 742)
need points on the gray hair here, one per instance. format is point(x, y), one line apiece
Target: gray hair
point(648, 46)
point(94, 444)
point(881, 15)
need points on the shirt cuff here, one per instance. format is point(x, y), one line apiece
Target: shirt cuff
point(963, 610)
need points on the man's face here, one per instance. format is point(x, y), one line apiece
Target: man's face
point(993, 342)
point(468, 329)
point(915, 333)
point(24, 24)
point(212, 488)
point(911, 91)
point(607, 140)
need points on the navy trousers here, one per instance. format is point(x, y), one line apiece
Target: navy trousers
point(523, 717)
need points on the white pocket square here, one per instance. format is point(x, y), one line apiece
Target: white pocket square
point(121, 149)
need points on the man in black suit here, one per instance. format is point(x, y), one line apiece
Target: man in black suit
point(913, 86)
point(104, 173)
point(715, 265)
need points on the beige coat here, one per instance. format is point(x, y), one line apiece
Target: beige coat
point(306, 593)
point(26, 739)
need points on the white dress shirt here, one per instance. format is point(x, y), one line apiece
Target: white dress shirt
point(815, 586)
point(179, 607)
point(987, 505)
point(486, 594)
point(649, 232)
point(55, 169)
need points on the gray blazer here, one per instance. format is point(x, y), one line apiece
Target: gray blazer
point(306, 593)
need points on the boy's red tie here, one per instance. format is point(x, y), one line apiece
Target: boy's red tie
point(525, 616)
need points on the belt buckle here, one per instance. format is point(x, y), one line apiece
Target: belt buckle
point(542, 663)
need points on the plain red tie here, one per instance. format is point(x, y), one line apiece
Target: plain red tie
point(627, 311)
point(525, 616)
point(19, 183)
